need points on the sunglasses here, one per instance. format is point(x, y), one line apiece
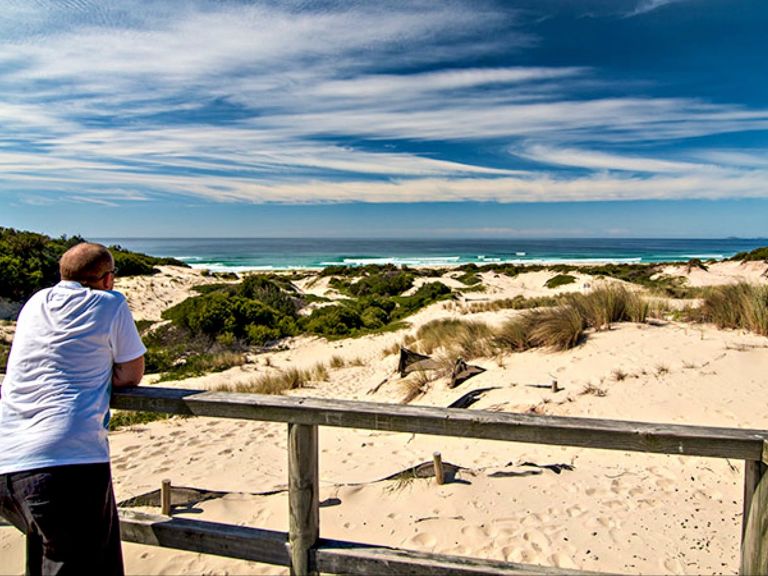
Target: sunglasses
point(114, 272)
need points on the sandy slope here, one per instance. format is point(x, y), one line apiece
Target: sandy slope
point(628, 513)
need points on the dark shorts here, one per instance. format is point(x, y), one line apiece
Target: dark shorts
point(69, 516)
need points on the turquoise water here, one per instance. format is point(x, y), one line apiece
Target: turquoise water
point(239, 254)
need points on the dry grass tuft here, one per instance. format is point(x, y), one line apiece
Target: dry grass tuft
point(558, 328)
point(337, 362)
point(416, 384)
point(467, 339)
point(290, 379)
point(610, 304)
point(740, 305)
point(594, 390)
point(319, 372)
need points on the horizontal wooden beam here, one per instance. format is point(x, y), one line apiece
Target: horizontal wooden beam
point(342, 558)
point(331, 556)
point(556, 430)
point(257, 545)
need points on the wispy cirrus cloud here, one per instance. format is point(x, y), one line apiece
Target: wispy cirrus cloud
point(335, 102)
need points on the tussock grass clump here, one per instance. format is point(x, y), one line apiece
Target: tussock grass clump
point(337, 361)
point(467, 339)
point(740, 305)
point(319, 372)
point(514, 334)
point(559, 328)
point(610, 304)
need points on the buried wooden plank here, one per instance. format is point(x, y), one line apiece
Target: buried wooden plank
point(331, 556)
point(558, 430)
point(346, 558)
point(257, 545)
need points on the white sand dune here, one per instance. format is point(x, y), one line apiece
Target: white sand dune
point(613, 512)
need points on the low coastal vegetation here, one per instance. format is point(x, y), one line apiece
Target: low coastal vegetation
point(560, 280)
point(30, 261)
point(756, 255)
point(210, 331)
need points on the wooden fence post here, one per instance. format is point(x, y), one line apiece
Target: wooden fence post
point(754, 536)
point(303, 496)
point(165, 498)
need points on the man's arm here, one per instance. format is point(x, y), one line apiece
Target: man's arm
point(128, 374)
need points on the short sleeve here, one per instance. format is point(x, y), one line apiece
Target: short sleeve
point(124, 337)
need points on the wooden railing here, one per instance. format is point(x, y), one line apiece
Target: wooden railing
point(305, 552)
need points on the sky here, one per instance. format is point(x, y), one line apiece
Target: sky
point(451, 118)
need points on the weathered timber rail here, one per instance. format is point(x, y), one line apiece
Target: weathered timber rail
point(305, 552)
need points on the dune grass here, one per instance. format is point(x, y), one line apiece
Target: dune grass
point(558, 328)
point(278, 383)
point(468, 339)
point(742, 305)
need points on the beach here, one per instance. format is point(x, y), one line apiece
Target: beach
point(553, 506)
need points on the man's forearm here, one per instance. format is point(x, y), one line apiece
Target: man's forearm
point(128, 374)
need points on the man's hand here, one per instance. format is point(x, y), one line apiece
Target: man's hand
point(128, 374)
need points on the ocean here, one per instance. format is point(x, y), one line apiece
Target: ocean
point(242, 254)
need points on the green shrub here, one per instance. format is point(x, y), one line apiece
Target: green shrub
point(425, 295)
point(374, 317)
point(560, 280)
point(469, 279)
point(389, 283)
point(338, 320)
point(754, 255)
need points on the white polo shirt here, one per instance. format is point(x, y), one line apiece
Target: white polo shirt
point(54, 408)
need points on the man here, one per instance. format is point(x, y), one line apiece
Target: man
point(73, 342)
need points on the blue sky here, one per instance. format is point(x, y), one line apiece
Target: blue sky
point(529, 118)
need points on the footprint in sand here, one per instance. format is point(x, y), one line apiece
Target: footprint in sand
point(424, 539)
point(673, 566)
point(574, 511)
point(474, 532)
point(538, 540)
point(562, 561)
point(131, 448)
point(516, 554)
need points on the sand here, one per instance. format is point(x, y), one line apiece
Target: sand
point(606, 511)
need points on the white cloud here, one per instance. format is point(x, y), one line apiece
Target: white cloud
point(645, 6)
point(307, 82)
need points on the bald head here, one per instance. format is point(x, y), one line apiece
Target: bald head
point(85, 263)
